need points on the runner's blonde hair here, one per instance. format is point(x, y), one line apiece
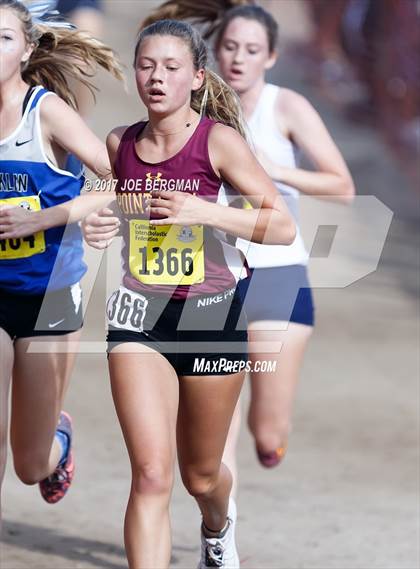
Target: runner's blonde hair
point(215, 98)
point(60, 55)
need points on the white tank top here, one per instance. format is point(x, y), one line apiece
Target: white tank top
point(266, 135)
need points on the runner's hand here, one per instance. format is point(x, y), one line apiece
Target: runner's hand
point(100, 228)
point(177, 208)
point(16, 221)
point(272, 169)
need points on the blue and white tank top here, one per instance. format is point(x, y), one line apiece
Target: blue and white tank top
point(28, 178)
point(266, 135)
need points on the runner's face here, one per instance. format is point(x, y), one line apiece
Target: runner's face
point(165, 74)
point(243, 54)
point(13, 47)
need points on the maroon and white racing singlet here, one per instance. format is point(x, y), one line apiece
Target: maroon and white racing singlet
point(172, 259)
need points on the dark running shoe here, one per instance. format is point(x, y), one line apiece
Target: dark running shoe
point(271, 459)
point(54, 488)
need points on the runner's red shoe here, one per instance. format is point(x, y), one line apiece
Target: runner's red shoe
point(271, 459)
point(54, 488)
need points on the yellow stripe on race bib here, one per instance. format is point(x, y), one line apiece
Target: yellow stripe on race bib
point(22, 247)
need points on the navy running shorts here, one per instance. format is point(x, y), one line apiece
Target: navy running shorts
point(201, 335)
point(278, 293)
point(54, 314)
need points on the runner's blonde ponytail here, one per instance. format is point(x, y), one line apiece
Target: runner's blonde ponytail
point(62, 54)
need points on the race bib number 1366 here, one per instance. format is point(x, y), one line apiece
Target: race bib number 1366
point(166, 254)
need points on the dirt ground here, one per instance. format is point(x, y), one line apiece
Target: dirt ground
point(346, 496)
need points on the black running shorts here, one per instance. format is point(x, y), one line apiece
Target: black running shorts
point(201, 335)
point(53, 314)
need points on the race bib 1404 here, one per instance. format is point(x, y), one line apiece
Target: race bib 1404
point(22, 247)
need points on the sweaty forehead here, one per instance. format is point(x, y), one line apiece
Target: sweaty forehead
point(246, 31)
point(9, 20)
point(165, 47)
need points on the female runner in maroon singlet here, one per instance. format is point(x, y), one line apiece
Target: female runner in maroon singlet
point(177, 336)
point(283, 125)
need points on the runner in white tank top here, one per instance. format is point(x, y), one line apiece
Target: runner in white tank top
point(266, 136)
point(278, 301)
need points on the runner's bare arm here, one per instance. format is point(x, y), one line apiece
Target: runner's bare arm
point(269, 222)
point(307, 130)
point(99, 228)
point(63, 125)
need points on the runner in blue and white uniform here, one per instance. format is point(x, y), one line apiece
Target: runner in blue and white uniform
point(40, 257)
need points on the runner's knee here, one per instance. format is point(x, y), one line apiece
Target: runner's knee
point(200, 482)
point(30, 468)
point(271, 436)
point(153, 478)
